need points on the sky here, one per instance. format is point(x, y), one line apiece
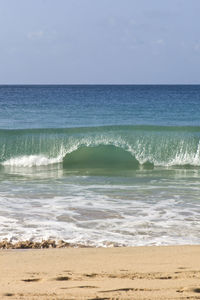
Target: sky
point(99, 42)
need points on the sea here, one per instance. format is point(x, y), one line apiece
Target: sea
point(100, 165)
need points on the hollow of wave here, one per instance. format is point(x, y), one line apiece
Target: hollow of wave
point(103, 156)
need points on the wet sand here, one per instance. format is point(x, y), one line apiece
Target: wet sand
point(101, 273)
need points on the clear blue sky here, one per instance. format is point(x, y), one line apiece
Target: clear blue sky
point(99, 41)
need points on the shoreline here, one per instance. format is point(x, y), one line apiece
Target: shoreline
point(147, 272)
point(56, 244)
point(44, 244)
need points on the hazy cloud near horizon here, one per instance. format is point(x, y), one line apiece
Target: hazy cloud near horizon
point(99, 41)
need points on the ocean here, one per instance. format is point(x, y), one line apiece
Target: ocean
point(100, 165)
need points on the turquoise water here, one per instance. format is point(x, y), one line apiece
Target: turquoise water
point(100, 165)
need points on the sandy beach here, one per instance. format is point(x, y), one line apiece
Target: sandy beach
point(171, 272)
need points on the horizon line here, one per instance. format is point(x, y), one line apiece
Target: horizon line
point(93, 84)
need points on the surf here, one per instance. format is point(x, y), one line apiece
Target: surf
point(116, 147)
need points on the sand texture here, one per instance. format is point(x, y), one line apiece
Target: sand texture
point(112, 273)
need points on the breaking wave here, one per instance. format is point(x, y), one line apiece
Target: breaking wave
point(117, 147)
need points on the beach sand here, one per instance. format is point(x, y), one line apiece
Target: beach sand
point(101, 273)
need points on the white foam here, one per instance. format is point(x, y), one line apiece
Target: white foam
point(186, 158)
point(101, 214)
point(31, 161)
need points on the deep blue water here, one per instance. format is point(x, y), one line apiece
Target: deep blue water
point(72, 106)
